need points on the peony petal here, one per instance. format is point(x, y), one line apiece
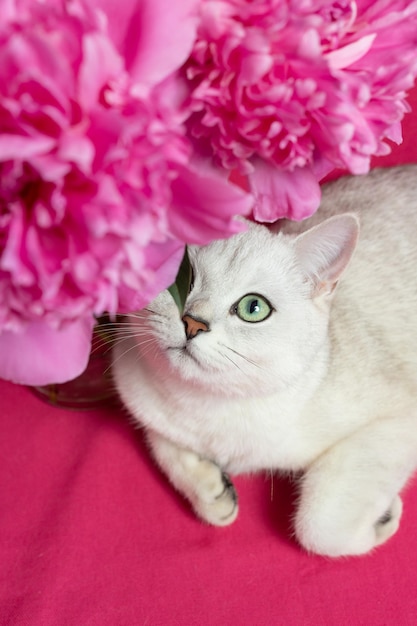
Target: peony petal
point(100, 64)
point(41, 355)
point(293, 195)
point(204, 206)
point(154, 36)
point(164, 260)
point(333, 86)
point(343, 57)
point(23, 147)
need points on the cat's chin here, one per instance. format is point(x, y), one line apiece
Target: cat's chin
point(190, 365)
point(213, 378)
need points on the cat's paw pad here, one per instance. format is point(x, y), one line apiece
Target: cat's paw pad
point(387, 525)
point(217, 501)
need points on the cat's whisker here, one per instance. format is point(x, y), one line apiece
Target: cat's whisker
point(242, 356)
point(129, 330)
point(113, 335)
point(139, 342)
point(151, 340)
point(146, 349)
point(99, 342)
point(138, 355)
point(140, 314)
point(134, 322)
point(110, 326)
point(231, 361)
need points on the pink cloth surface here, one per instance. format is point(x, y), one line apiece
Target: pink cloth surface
point(92, 535)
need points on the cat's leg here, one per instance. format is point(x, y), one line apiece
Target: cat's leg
point(349, 500)
point(209, 490)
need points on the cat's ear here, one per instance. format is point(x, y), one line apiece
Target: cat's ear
point(325, 250)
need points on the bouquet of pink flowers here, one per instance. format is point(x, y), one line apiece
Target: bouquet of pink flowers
point(121, 122)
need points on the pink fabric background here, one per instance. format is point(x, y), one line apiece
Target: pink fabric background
point(91, 534)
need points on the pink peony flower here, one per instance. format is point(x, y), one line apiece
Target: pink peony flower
point(108, 149)
point(285, 91)
point(95, 169)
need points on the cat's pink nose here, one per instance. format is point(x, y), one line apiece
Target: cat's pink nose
point(194, 326)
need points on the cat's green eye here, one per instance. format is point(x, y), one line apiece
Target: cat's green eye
point(253, 308)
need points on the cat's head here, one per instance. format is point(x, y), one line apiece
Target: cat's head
point(257, 311)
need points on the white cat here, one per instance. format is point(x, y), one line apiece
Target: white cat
point(272, 368)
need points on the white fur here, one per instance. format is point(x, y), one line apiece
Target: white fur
point(327, 384)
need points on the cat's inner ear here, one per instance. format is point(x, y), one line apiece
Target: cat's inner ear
point(325, 250)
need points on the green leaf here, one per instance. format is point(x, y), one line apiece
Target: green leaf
point(180, 289)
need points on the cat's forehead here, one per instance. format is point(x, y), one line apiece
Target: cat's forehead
point(252, 256)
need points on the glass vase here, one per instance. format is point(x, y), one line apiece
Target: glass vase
point(94, 387)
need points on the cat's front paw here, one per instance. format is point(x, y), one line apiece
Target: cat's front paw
point(337, 532)
point(388, 524)
point(216, 501)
